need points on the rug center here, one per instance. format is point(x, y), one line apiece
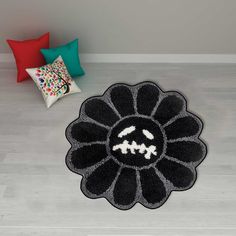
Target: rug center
point(136, 141)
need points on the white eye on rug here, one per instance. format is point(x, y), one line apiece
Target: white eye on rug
point(126, 131)
point(148, 134)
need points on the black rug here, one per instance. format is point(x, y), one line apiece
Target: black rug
point(135, 144)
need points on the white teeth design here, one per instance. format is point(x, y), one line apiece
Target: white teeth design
point(133, 147)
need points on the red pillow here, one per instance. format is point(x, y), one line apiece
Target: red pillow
point(27, 54)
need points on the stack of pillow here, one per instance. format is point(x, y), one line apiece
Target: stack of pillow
point(52, 69)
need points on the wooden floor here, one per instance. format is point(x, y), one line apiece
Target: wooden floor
point(40, 196)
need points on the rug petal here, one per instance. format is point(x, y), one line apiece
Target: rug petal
point(147, 98)
point(153, 189)
point(101, 179)
point(122, 99)
point(179, 175)
point(187, 151)
point(169, 107)
point(88, 132)
point(87, 156)
point(99, 111)
point(182, 127)
point(125, 187)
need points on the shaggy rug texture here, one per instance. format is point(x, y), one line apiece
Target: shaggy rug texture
point(135, 144)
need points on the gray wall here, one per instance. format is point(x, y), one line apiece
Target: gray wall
point(125, 26)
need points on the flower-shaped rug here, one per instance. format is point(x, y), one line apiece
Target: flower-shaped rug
point(135, 144)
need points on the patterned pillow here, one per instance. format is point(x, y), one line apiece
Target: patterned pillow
point(53, 80)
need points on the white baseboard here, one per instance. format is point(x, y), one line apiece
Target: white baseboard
point(144, 58)
point(159, 58)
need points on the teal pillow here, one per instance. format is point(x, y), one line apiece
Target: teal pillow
point(69, 54)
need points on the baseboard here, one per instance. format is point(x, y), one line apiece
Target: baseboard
point(159, 58)
point(145, 58)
